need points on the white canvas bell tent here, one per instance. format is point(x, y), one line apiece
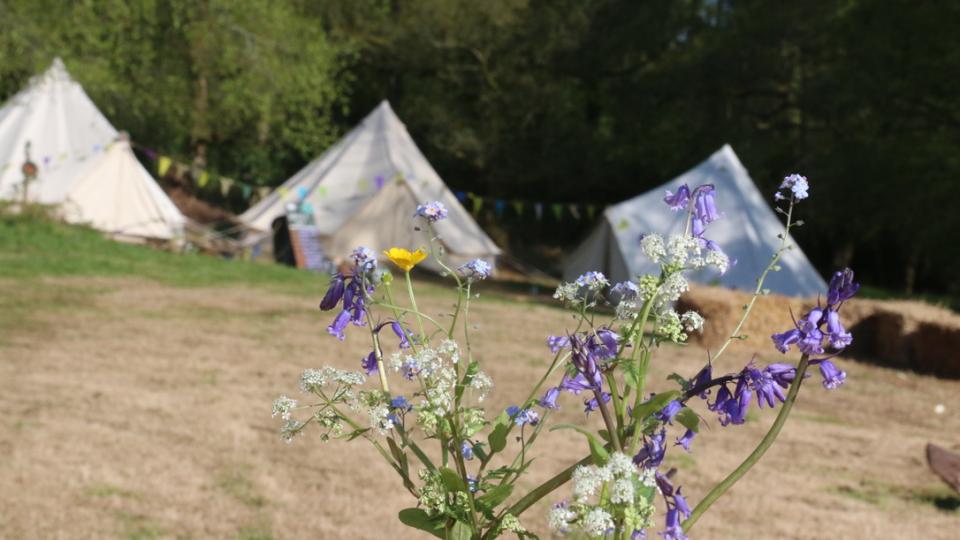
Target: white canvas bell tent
point(747, 233)
point(83, 166)
point(365, 189)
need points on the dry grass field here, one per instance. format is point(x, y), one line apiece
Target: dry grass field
point(132, 408)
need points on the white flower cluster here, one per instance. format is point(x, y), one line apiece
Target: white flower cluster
point(482, 384)
point(653, 247)
point(680, 247)
point(314, 379)
point(627, 494)
point(283, 406)
point(692, 322)
point(586, 288)
point(379, 418)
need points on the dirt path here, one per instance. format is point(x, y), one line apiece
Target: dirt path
point(133, 410)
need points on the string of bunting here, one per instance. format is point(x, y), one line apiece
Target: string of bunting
point(204, 178)
point(521, 207)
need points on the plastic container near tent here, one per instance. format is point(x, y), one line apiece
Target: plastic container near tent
point(84, 165)
point(365, 189)
point(747, 233)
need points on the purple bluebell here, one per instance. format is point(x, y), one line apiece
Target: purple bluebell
point(523, 417)
point(842, 287)
point(680, 502)
point(638, 535)
point(783, 341)
point(334, 293)
point(578, 383)
point(705, 205)
point(478, 269)
point(686, 439)
point(549, 399)
point(557, 342)
point(369, 363)
point(466, 450)
point(679, 200)
point(833, 376)
point(782, 374)
point(667, 413)
point(339, 324)
point(609, 344)
point(839, 337)
point(702, 380)
point(673, 531)
point(398, 330)
point(431, 211)
point(592, 404)
point(654, 449)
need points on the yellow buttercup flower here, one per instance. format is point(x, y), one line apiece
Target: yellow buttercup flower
point(405, 260)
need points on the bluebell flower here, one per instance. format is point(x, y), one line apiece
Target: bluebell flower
point(705, 205)
point(334, 293)
point(669, 411)
point(578, 383)
point(478, 269)
point(369, 363)
point(673, 530)
point(557, 342)
point(651, 454)
point(839, 337)
point(398, 330)
point(466, 450)
point(686, 439)
point(339, 324)
point(702, 380)
point(681, 503)
point(782, 374)
point(608, 346)
point(400, 402)
point(783, 341)
point(592, 404)
point(549, 399)
point(431, 211)
point(679, 200)
point(842, 287)
point(833, 376)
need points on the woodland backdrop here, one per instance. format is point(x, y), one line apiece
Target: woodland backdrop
point(591, 101)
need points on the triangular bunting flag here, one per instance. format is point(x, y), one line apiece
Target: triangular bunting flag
point(203, 180)
point(263, 192)
point(163, 165)
point(321, 191)
point(574, 211)
point(538, 210)
point(283, 192)
point(461, 196)
point(591, 211)
point(225, 185)
point(518, 207)
point(499, 206)
point(247, 191)
point(363, 185)
point(477, 203)
point(557, 209)
point(378, 182)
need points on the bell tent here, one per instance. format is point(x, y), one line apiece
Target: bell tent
point(747, 233)
point(364, 190)
point(83, 164)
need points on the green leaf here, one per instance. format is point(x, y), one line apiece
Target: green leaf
point(631, 374)
point(689, 419)
point(460, 531)
point(599, 453)
point(492, 498)
point(452, 480)
point(480, 452)
point(498, 437)
point(419, 519)
point(654, 404)
point(680, 380)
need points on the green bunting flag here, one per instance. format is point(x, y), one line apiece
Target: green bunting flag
point(477, 203)
point(518, 207)
point(163, 165)
point(204, 178)
point(557, 209)
point(591, 211)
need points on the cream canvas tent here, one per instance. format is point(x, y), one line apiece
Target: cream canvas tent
point(364, 191)
point(747, 233)
point(83, 165)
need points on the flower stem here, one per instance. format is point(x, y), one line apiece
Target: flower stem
point(754, 456)
point(413, 304)
point(611, 425)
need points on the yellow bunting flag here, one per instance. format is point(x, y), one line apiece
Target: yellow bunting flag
point(204, 178)
point(163, 165)
point(321, 191)
point(283, 192)
point(363, 185)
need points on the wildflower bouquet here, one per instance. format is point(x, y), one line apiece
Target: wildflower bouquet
point(466, 487)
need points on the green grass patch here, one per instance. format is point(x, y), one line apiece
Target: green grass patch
point(138, 527)
point(32, 247)
point(820, 418)
point(255, 532)
point(102, 491)
point(236, 483)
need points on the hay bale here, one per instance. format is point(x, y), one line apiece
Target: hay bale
point(898, 333)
